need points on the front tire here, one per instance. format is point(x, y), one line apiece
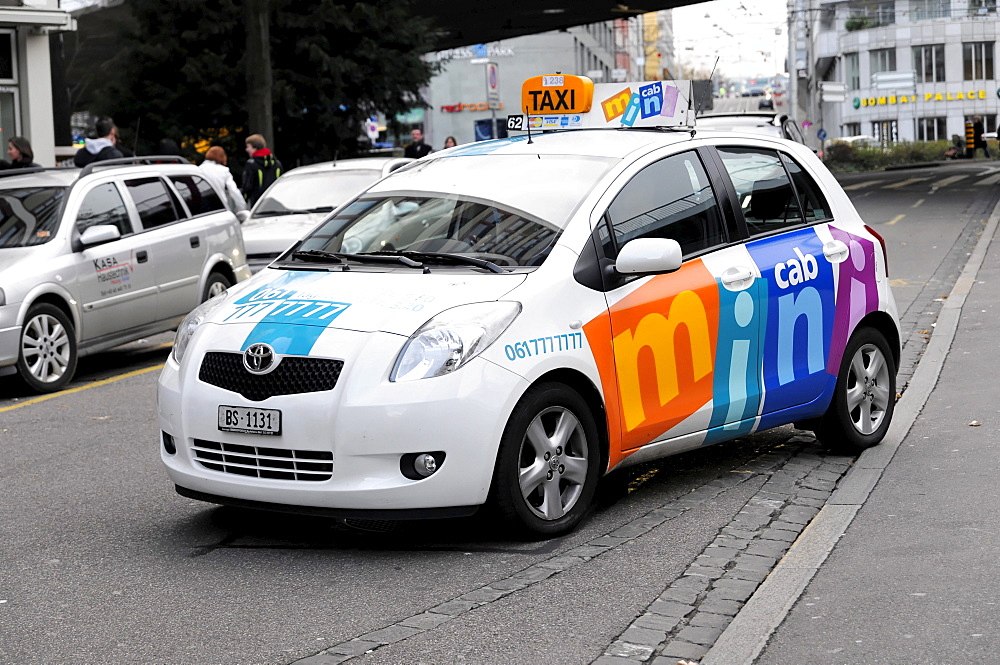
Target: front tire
point(47, 355)
point(215, 285)
point(548, 465)
point(865, 397)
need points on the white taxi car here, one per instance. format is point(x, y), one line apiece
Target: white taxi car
point(533, 313)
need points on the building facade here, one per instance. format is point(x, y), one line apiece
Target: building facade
point(25, 73)
point(619, 50)
point(913, 70)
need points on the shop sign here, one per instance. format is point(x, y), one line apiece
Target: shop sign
point(890, 100)
point(458, 108)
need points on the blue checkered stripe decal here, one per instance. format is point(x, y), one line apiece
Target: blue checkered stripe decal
point(287, 316)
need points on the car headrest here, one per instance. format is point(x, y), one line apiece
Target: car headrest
point(769, 199)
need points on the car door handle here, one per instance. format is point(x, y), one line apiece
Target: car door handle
point(737, 278)
point(195, 241)
point(835, 251)
point(141, 256)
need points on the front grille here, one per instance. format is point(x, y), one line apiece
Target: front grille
point(256, 462)
point(292, 376)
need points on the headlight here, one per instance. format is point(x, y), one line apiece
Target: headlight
point(191, 322)
point(453, 338)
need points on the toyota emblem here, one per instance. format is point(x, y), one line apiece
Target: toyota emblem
point(258, 358)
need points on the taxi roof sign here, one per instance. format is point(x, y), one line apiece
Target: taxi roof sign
point(575, 102)
point(557, 93)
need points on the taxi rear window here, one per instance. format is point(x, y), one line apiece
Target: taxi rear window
point(545, 186)
point(29, 215)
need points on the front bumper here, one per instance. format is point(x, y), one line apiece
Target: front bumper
point(366, 423)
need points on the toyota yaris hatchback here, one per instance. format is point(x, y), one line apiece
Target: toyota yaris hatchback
point(519, 317)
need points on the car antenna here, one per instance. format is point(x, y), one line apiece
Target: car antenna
point(527, 120)
point(135, 146)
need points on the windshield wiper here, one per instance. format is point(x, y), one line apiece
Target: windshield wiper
point(317, 255)
point(382, 257)
point(444, 257)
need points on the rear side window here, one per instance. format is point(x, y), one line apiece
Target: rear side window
point(811, 197)
point(103, 205)
point(671, 198)
point(765, 193)
point(155, 204)
point(29, 215)
point(197, 194)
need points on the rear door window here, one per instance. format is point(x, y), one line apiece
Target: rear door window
point(197, 194)
point(763, 189)
point(155, 203)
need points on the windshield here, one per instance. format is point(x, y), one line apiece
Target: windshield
point(316, 192)
point(451, 225)
point(29, 215)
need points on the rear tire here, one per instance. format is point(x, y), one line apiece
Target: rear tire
point(548, 464)
point(215, 285)
point(47, 354)
point(865, 397)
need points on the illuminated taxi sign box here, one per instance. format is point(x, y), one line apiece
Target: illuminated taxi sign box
point(557, 94)
point(574, 102)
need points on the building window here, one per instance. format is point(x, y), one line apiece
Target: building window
point(931, 129)
point(871, 15)
point(885, 131)
point(883, 60)
point(850, 129)
point(989, 122)
point(928, 62)
point(982, 7)
point(977, 60)
point(923, 10)
point(852, 71)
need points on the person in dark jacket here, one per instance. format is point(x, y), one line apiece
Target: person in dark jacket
point(977, 137)
point(261, 169)
point(105, 146)
point(417, 148)
point(21, 154)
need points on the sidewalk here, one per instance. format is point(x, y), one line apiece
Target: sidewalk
point(912, 580)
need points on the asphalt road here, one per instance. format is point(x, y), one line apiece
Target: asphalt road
point(104, 563)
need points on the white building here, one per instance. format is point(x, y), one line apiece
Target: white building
point(25, 73)
point(606, 51)
point(948, 45)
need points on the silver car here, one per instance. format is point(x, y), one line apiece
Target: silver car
point(94, 258)
point(303, 197)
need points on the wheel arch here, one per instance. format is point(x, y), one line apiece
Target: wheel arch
point(584, 387)
point(885, 324)
point(222, 267)
point(56, 300)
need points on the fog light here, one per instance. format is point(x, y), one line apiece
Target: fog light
point(168, 444)
point(417, 466)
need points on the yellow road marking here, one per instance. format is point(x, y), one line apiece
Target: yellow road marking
point(859, 185)
point(894, 220)
point(95, 384)
point(904, 183)
point(917, 204)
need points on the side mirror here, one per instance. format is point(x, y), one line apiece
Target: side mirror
point(649, 255)
point(99, 234)
point(242, 215)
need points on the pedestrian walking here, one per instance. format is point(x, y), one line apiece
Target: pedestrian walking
point(21, 154)
point(417, 147)
point(215, 169)
point(105, 146)
point(977, 139)
point(261, 169)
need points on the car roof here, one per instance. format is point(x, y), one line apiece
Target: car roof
point(614, 143)
point(357, 164)
point(57, 177)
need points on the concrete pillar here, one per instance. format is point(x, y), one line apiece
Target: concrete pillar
point(36, 94)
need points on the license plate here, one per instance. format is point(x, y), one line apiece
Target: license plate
point(249, 420)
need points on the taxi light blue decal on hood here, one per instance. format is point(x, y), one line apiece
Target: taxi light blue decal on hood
point(288, 316)
point(485, 147)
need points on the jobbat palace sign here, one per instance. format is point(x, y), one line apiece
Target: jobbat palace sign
point(891, 100)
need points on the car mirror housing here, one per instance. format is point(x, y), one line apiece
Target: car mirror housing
point(99, 234)
point(242, 215)
point(649, 255)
